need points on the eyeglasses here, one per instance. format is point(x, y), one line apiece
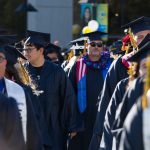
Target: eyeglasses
point(2, 59)
point(29, 50)
point(94, 44)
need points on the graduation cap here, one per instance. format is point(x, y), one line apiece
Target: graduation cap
point(141, 54)
point(79, 41)
point(76, 47)
point(20, 45)
point(78, 44)
point(38, 38)
point(25, 7)
point(8, 39)
point(115, 48)
point(144, 41)
point(12, 54)
point(140, 24)
point(50, 48)
point(96, 35)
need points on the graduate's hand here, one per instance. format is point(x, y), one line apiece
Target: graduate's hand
point(73, 134)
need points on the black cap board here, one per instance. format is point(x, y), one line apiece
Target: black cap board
point(79, 41)
point(50, 48)
point(37, 38)
point(12, 54)
point(140, 24)
point(115, 48)
point(96, 35)
point(144, 41)
point(141, 54)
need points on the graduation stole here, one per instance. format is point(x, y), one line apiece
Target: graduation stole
point(16, 91)
point(125, 58)
point(81, 72)
point(71, 63)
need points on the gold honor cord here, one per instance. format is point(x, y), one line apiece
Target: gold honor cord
point(27, 81)
point(132, 39)
point(133, 43)
point(25, 76)
point(127, 48)
point(130, 70)
point(147, 83)
point(71, 54)
point(85, 44)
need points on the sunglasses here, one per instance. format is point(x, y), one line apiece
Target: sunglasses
point(94, 44)
point(2, 59)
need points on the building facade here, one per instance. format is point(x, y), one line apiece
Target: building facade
point(53, 16)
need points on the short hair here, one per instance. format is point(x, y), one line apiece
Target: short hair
point(33, 44)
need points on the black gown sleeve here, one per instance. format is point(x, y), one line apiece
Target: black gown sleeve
point(116, 72)
point(70, 111)
point(129, 98)
point(116, 98)
point(34, 139)
point(131, 138)
point(46, 139)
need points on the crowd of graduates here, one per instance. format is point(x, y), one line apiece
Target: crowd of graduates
point(89, 97)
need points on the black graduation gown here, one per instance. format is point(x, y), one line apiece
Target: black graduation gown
point(116, 98)
point(130, 97)
point(57, 101)
point(94, 84)
point(116, 72)
point(34, 139)
point(132, 136)
point(39, 117)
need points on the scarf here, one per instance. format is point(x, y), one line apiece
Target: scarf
point(82, 66)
